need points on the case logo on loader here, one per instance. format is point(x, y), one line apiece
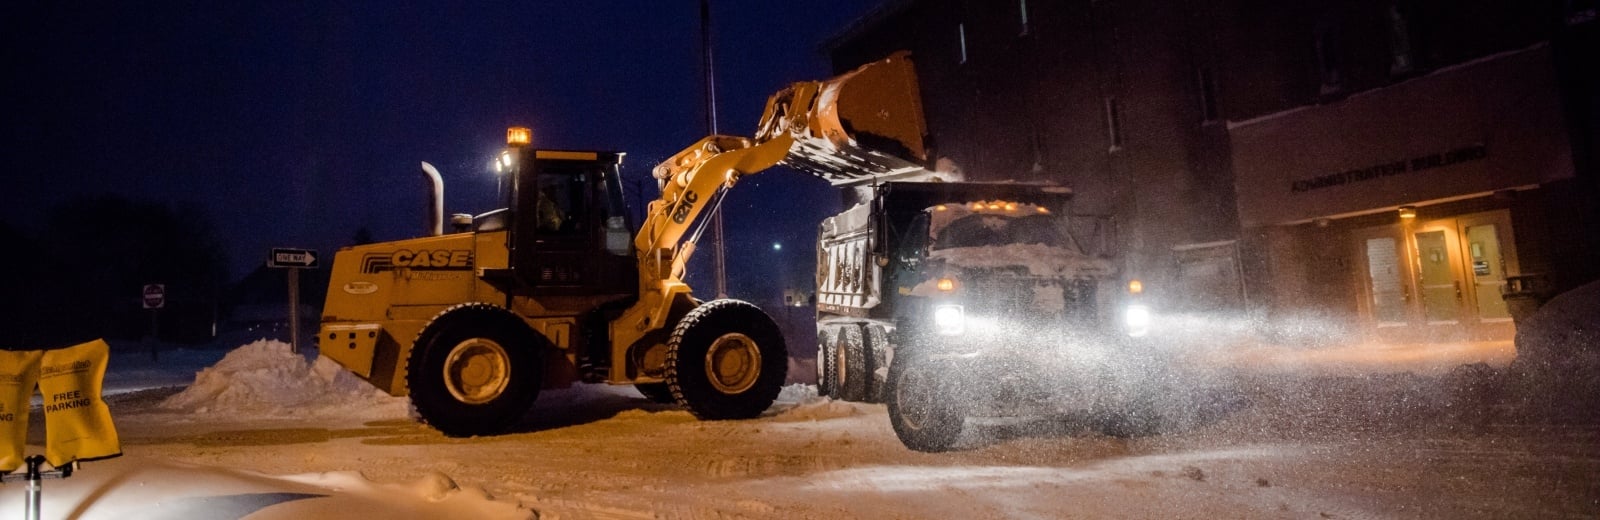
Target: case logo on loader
point(438, 260)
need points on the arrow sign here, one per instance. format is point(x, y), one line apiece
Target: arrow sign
point(283, 257)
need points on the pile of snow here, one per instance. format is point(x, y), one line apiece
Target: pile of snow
point(1564, 330)
point(1557, 371)
point(1040, 259)
point(798, 394)
point(802, 403)
point(267, 379)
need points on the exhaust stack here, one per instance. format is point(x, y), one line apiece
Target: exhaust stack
point(435, 213)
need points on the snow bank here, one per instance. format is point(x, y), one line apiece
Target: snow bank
point(1565, 329)
point(798, 393)
point(1557, 369)
point(801, 403)
point(266, 379)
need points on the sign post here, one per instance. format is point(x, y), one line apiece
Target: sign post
point(154, 298)
point(294, 260)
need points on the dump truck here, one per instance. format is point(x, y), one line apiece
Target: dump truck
point(951, 300)
point(559, 286)
point(957, 300)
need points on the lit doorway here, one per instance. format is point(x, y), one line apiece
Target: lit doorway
point(1438, 280)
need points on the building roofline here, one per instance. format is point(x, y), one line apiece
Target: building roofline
point(1231, 124)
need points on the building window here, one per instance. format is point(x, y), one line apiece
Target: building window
point(1330, 66)
point(1114, 123)
point(961, 38)
point(1209, 112)
point(1022, 5)
point(1401, 61)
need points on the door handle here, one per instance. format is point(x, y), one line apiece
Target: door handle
point(1459, 297)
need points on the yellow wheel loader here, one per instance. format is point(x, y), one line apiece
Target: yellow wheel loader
point(558, 287)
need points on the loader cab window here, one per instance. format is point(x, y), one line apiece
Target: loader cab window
point(618, 229)
point(560, 205)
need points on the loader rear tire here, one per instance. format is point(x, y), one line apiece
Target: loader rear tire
point(726, 360)
point(923, 408)
point(474, 370)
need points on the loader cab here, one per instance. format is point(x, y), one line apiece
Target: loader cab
point(570, 232)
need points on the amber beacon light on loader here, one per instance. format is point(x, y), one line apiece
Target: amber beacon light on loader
point(560, 287)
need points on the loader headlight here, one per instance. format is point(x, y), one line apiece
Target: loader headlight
point(949, 320)
point(1137, 319)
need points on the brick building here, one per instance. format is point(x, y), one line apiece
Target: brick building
point(1258, 156)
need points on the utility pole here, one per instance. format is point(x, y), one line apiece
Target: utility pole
point(718, 261)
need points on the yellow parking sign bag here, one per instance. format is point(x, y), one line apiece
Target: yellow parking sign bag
point(77, 421)
point(19, 370)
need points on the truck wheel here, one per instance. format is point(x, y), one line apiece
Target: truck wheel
point(726, 360)
point(474, 370)
point(921, 408)
point(655, 392)
point(877, 356)
point(850, 366)
point(826, 382)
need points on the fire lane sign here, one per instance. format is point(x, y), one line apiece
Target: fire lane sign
point(283, 257)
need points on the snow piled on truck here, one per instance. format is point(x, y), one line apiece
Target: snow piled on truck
point(1039, 259)
point(266, 379)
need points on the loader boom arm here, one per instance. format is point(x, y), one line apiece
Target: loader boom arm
point(867, 123)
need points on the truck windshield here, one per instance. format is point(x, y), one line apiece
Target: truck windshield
point(986, 230)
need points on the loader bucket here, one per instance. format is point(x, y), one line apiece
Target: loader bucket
point(861, 126)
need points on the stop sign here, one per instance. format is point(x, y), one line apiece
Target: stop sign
point(155, 295)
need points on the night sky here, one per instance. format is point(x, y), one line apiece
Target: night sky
point(293, 125)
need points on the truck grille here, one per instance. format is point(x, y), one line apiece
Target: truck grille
point(1032, 299)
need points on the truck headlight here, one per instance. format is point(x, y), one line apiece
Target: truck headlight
point(949, 320)
point(1137, 318)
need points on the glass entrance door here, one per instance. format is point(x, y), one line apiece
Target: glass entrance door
point(1489, 253)
point(1387, 294)
point(1439, 280)
point(1438, 274)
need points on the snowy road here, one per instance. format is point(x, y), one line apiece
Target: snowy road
point(1284, 448)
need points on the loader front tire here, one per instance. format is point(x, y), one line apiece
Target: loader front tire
point(726, 360)
point(474, 370)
